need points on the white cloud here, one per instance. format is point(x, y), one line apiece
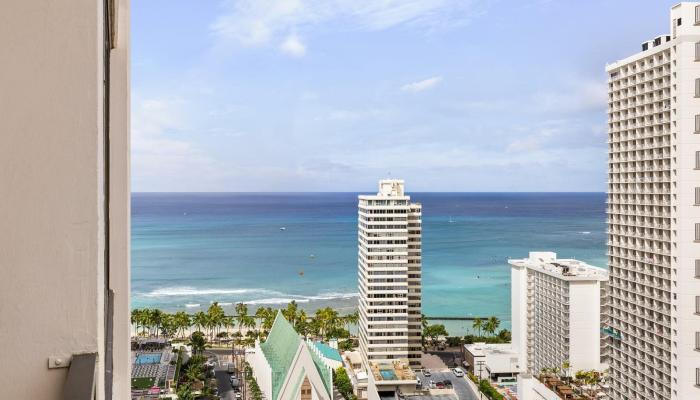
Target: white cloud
point(260, 22)
point(420, 86)
point(575, 96)
point(293, 46)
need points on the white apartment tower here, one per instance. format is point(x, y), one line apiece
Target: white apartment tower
point(556, 312)
point(389, 263)
point(654, 215)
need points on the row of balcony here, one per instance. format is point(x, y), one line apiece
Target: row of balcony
point(646, 156)
point(650, 191)
point(647, 249)
point(639, 222)
point(637, 134)
point(634, 123)
point(638, 200)
point(633, 211)
point(639, 147)
point(658, 178)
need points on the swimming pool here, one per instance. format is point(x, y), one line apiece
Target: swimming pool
point(388, 374)
point(148, 358)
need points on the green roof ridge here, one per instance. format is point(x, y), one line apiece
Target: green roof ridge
point(279, 349)
point(322, 369)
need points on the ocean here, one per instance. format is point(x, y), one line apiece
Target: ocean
point(191, 249)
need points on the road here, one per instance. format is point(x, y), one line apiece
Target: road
point(223, 381)
point(460, 385)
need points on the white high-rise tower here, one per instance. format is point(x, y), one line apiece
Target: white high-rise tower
point(654, 215)
point(389, 263)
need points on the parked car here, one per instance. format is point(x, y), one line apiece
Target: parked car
point(448, 383)
point(418, 382)
point(458, 372)
point(238, 395)
point(440, 385)
point(426, 372)
point(432, 384)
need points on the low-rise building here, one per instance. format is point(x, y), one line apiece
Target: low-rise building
point(497, 362)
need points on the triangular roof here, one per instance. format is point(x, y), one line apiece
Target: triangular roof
point(280, 348)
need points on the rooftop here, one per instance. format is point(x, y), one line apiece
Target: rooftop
point(563, 268)
point(396, 371)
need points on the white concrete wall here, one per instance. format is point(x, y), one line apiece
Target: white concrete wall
point(686, 214)
point(52, 204)
point(518, 313)
point(531, 389)
point(584, 325)
point(261, 370)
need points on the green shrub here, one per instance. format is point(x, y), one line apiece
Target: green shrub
point(342, 382)
point(486, 388)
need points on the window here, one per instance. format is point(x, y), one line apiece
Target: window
point(697, 160)
point(697, 340)
point(697, 304)
point(697, 268)
point(697, 87)
point(697, 51)
point(697, 196)
point(697, 376)
point(697, 15)
point(697, 123)
point(697, 232)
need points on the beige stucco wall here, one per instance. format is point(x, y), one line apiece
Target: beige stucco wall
point(51, 193)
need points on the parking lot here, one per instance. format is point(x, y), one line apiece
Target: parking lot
point(459, 384)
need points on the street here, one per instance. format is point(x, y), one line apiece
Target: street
point(460, 385)
point(223, 382)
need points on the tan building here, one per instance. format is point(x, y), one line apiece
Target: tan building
point(64, 208)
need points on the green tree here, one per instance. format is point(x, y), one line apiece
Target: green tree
point(198, 342)
point(491, 325)
point(342, 382)
point(182, 322)
point(290, 313)
point(241, 315)
point(478, 324)
point(434, 331)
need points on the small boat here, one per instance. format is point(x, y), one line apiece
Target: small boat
point(312, 256)
point(283, 228)
point(451, 221)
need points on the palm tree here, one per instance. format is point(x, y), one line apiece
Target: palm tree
point(491, 325)
point(198, 342)
point(290, 313)
point(156, 320)
point(351, 319)
point(302, 323)
point(565, 366)
point(478, 324)
point(215, 315)
point(199, 320)
point(182, 321)
point(241, 313)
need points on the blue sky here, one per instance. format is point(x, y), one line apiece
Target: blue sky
point(309, 95)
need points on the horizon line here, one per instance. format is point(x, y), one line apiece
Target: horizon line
point(353, 192)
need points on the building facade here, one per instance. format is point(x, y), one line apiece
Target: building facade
point(556, 312)
point(389, 263)
point(653, 215)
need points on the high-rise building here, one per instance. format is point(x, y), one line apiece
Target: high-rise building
point(389, 263)
point(654, 215)
point(556, 312)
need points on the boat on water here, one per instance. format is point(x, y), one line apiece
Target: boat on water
point(451, 221)
point(283, 228)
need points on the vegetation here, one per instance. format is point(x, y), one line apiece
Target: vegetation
point(504, 336)
point(142, 383)
point(434, 331)
point(178, 366)
point(192, 379)
point(214, 324)
point(489, 391)
point(342, 382)
point(252, 383)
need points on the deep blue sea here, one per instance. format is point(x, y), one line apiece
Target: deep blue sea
point(190, 249)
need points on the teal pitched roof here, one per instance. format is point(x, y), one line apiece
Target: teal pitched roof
point(328, 352)
point(279, 349)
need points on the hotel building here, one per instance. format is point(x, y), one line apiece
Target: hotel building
point(389, 263)
point(654, 215)
point(556, 312)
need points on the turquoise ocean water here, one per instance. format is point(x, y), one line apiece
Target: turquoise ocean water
point(190, 249)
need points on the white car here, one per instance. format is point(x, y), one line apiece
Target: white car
point(458, 372)
point(432, 384)
point(426, 372)
point(238, 395)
